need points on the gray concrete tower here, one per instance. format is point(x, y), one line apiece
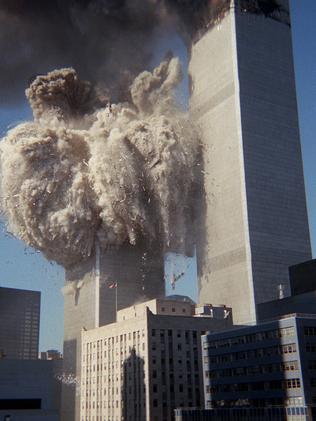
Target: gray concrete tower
point(244, 101)
point(89, 303)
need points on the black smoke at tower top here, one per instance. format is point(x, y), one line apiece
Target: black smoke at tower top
point(105, 40)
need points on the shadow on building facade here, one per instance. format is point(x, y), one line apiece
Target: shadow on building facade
point(133, 388)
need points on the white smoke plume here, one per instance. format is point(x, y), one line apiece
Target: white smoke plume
point(118, 172)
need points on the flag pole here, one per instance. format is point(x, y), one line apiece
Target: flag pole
point(97, 284)
point(116, 301)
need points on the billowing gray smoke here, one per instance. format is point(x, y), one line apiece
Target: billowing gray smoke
point(122, 172)
point(107, 41)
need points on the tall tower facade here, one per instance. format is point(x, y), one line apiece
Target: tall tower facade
point(19, 323)
point(89, 303)
point(244, 102)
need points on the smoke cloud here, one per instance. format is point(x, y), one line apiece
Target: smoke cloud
point(107, 41)
point(85, 170)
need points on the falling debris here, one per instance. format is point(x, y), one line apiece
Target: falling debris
point(78, 172)
point(175, 278)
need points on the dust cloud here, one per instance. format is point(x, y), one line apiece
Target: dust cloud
point(88, 169)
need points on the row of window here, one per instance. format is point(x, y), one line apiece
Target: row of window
point(312, 364)
point(310, 331)
point(253, 337)
point(113, 353)
point(110, 379)
point(292, 413)
point(180, 388)
point(255, 386)
point(173, 310)
point(252, 370)
point(311, 347)
point(250, 354)
point(168, 332)
point(260, 403)
point(190, 378)
point(313, 382)
point(112, 340)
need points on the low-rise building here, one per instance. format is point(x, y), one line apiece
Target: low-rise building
point(271, 364)
point(30, 390)
point(147, 363)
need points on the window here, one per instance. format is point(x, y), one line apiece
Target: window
point(292, 383)
point(310, 347)
point(310, 331)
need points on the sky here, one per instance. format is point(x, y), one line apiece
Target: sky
point(24, 268)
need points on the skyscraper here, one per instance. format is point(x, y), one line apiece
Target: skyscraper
point(244, 101)
point(19, 323)
point(136, 274)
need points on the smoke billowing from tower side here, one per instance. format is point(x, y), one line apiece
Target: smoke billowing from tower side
point(119, 173)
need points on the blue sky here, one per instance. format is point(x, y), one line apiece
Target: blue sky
point(21, 267)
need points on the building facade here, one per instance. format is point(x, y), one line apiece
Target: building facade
point(19, 323)
point(254, 219)
point(269, 365)
point(148, 363)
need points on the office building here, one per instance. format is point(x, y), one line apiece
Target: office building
point(19, 323)
point(30, 390)
point(254, 222)
point(89, 302)
point(272, 364)
point(147, 363)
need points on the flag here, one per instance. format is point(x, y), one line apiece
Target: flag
point(113, 285)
